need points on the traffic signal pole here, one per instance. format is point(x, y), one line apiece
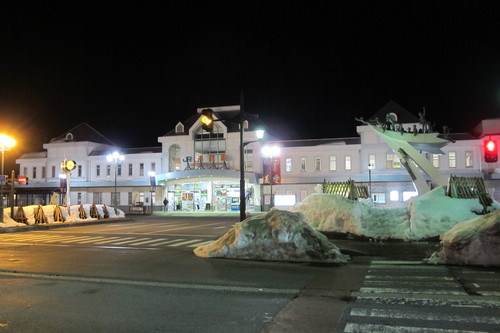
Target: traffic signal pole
point(243, 204)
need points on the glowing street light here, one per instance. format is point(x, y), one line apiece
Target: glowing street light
point(115, 157)
point(6, 143)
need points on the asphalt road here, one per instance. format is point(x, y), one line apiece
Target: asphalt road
point(138, 276)
point(141, 276)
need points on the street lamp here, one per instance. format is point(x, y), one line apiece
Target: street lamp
point(259, 134)
point(271, 152)
point(370, 168)
point(152, 181)
point(115, 157)
point(6, 143)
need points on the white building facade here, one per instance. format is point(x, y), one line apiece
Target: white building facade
point(199, 170)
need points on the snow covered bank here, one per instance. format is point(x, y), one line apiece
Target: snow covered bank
point(474, 242)
point(275, 236)
point(426, 216)
point(48, 211)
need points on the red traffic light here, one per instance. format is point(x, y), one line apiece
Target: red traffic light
point(490, 151)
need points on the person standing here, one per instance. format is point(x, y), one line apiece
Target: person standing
point(165, 204)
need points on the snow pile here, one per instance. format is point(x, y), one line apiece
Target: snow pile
point(275, 236)
point(48, 210)
point(426, 216)
point(473, 242)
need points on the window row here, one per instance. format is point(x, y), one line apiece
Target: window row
point(392, 162)
point(41, 172)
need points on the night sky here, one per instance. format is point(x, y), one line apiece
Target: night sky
point(307, 68)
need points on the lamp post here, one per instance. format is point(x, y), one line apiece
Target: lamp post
point(270, 152)
point(370, 168)
point(152, 181)
point(115, 157)
point(259, 134)
point(6, 143)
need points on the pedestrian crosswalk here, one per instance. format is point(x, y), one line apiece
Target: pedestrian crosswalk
point(408, 296)
point(108, 241)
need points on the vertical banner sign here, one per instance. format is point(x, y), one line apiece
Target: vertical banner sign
point(272, 168)
point(152, 181)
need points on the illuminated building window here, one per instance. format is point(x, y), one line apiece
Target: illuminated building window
point(394, 196)
point(333, 163)
point(347, 162)
point(452, 159)
point(302, 164)
point(141, 169)
point(288, 164)
point(435, 160)
point(371, 161)
point(468, 159)
point(392, 161)
point(317, 164)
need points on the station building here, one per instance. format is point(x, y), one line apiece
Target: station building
point(199, 170)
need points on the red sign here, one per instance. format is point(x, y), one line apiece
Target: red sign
point(272, 169)
point(21, 180)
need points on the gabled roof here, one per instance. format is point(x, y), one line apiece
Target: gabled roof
point(230, 119)
point(82, 132)
point(403, 115)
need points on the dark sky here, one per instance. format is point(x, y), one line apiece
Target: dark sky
point(307, 68)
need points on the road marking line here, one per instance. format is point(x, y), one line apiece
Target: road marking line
point(201, 244)
point(145, 242)
point(92, 240)
point(196, 226)
point(407, 278)
point(150, 283)
point(397, 314)
point(81, 238)
point(168, 241)
point(411, 291)
point(116, 227)
point(369, 328)
point(109, 240)
point(166, 229)
point(186, 242)
point(132, 239)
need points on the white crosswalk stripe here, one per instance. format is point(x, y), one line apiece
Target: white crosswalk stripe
point(413, 297)
point(113, 241)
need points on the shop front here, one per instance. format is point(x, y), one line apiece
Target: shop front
point(210, 194)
